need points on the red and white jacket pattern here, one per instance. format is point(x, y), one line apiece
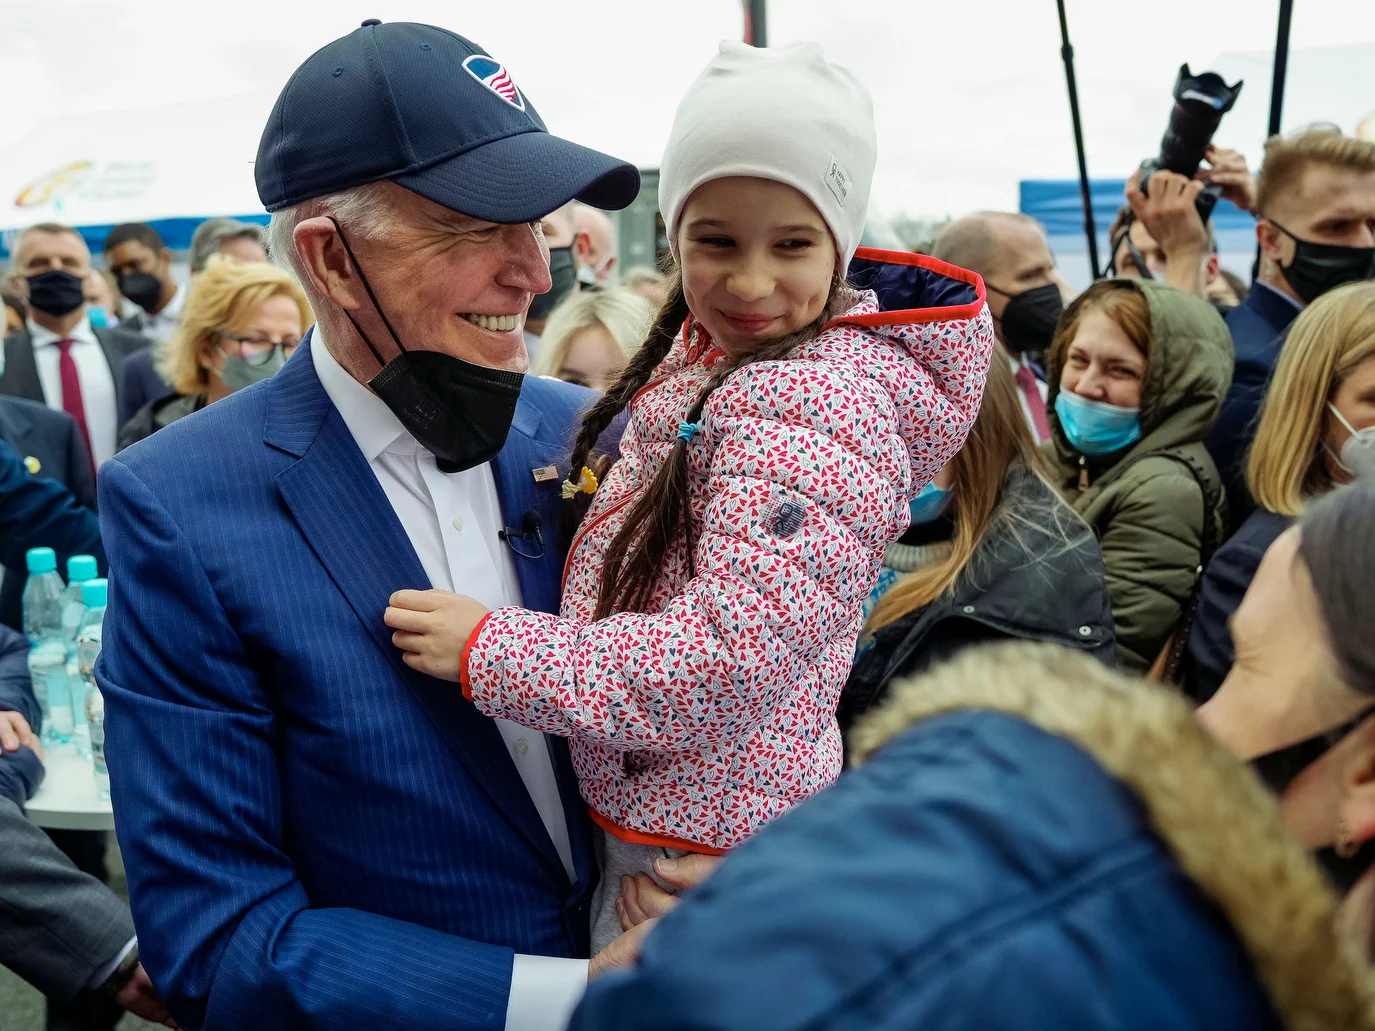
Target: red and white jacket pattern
point(698, 721)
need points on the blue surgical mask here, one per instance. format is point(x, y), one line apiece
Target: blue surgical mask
point(930, 503)
point(1096, 428)
point(99, 317)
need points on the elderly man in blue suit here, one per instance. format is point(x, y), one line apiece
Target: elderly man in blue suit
point(317, 836)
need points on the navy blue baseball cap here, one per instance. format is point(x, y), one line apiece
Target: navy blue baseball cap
point(431, 111)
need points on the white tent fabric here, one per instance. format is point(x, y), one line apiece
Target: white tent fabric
point(177, 162)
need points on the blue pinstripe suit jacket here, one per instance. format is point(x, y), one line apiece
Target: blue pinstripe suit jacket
point(316, 836)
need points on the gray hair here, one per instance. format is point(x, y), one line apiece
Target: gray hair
point(213, 232)
point(366, 210)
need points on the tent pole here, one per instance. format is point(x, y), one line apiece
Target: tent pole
point(1277, 90)
point(1086, 196)
point(756, 18)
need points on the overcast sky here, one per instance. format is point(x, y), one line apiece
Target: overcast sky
point(969, 94)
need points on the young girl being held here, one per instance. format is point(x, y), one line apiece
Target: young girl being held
point(782, 416)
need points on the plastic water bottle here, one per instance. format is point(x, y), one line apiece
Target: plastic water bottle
point(80, 568)
point(47, 652)
point(93, 594)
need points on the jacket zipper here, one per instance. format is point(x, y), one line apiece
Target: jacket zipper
point(587, 528)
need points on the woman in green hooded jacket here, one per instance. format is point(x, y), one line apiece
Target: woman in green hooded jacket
point(1137, 372)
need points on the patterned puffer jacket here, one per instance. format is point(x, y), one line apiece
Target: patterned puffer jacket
point(696, 722)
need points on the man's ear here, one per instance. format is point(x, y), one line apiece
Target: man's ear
point(325, 263)
point(582, 247)
point(1271, 240)
point(1210, 270)
point(165, 259)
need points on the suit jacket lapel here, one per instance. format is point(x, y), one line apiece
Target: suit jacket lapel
point(519, 492)
point(20, 378)
point(349, 523)
point(541, 579)
point(15, 428)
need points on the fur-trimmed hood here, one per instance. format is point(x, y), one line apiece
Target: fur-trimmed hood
point(1215, 816)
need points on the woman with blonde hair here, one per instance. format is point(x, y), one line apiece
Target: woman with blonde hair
point(240, 325)
point(1316, 431)
point(992, 554)
point(590, 337)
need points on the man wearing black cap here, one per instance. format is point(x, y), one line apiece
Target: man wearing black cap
point(316, 835)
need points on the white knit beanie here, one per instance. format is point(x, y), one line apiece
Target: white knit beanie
point(781, 113)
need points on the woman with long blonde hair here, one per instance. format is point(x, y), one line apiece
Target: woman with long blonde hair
point(1315, 433)
point(240, 324)
point(993, 553)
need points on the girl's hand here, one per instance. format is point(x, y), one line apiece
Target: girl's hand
point(431, 629)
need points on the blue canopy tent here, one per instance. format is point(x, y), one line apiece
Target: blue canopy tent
point(1056, 204)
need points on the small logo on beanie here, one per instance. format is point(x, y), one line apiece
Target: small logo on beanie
point(495, 77)
point(838, 181)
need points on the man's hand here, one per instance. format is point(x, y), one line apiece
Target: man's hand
point(15, 733)
point(1170, 216)
point(1230, 172)
point(621, 953)
point(140, 998)
point(642, 899)
point(431, 629)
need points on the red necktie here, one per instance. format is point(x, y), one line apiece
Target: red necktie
point(72, 403)
point(1026, 379)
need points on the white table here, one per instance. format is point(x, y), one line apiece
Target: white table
point(68, 799)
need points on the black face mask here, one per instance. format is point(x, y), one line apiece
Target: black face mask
point(1030, 317)
point(461, 413)
point(1319, 267)
point(57, 292)
point(141, 288)
point(564, 272)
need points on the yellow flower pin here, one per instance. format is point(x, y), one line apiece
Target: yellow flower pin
point(587, 484)
point(32, 465)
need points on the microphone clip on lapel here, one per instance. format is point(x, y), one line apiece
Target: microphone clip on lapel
point(529, 534)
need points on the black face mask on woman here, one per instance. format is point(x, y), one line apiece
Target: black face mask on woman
point(460, 412)
point(1319, 267)
point(1030, 317)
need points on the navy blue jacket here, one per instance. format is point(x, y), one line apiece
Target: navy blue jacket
point(1257, 325)
point(139, 384)
point(315, 834)
point(53, 440)
point(20, 772)
point(1225, 581)
point(976, 873)
point(36, 512)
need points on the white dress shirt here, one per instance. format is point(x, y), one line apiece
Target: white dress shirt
point(1026, 401)
point(97, 382)
point(452, 521)
point(161, 326)
point(1298, 305)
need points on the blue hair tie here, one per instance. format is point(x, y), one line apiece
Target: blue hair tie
point(687, 430)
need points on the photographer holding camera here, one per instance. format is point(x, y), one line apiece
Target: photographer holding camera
point(1162, 236)
point(1315, 205)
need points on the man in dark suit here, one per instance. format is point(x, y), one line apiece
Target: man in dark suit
point(58, 358)
point(51, 446)
point(317, 835)
point(1315, 200)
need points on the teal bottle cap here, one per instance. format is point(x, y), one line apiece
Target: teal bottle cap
point(41, 560)
point(81, 568)
point(93, 592)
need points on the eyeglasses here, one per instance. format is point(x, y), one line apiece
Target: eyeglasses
point(256, 350)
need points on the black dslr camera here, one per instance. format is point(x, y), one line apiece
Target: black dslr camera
point(1200, 101)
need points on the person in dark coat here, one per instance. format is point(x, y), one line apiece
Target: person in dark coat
point(51, 446)
point(993, 554)
point(1321, 402)
point(1315, 199)
point(1032, 841)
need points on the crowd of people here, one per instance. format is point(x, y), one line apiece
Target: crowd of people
point(440, 694)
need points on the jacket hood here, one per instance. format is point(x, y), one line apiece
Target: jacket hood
point(1223, 827)
point(912, 290)
point(1187, 377)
